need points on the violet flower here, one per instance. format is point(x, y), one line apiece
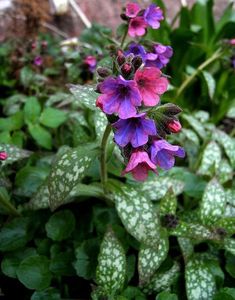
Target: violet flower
point(153, 15)
point(139, 165)
point(135, 130)
point(150, 84)
point(38, 61)
point(162, 154)
point(136, 49)
point(119, 96)
point(160, 57)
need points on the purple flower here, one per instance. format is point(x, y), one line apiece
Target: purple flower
point(136, 49)
point(162, 154)
point(91, 62)
point(135, 130)
point(119, 96)
point(160, 57)
point(233, 62)
point(38, 61)
point(153, 15)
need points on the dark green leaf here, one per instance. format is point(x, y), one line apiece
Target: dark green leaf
point(52, 117)
point(32, 110)
point(48, 294)
point(41, 135)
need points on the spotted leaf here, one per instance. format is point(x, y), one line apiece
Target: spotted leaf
point(211, 159)
point(227, 223)
point(192, 231)
point(138, 215)
point(168, 204)
point(200, 282)
point(229, 245)
point(162, 280)
point(150, 258)
point(228, 144)
point(225, 171)
point(85, 95)
point(111, 269)
point(67, 171)
point(213, 203)
point(186, 247)
point(13, 153)
point(196, 125)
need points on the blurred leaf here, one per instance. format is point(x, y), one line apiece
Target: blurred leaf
point(48, 294)
point(52, 117)
point(41, 135)
point(13, 153)
point(168, 204)
point(211, 159)
point(196, 125)
point(211, 83)
point(85, 95)
point(32, 110)
point(13, 122)
point(229, 245)
point(225, 171)
point(166, 296)
point(186, 247)
point(228, 144)
point(225, 294)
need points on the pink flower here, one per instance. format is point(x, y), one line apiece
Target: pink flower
point(232, 42)
point(38, 61)
point(3, 155)
point(132, 10)
point(137, 27)
point(150, 84)
point(174, 126)
point(91, 62)
point(139, 165)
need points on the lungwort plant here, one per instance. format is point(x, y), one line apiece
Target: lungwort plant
point(94, 207)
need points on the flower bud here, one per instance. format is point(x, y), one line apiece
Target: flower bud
point(97, 90)
point(103, 72)
point(170, 109)
point(174, 126)
point(3, 155)
point(126, 69)
point(137, 62)
point(44, 44)
point(120, 58)
point(124, 17)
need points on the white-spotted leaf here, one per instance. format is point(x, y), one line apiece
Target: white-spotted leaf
point(190, 135)
point(150, 258)
point(186, 247)
point(162, 280)
point(213, 203)
point(192, 231)
point(67, 171)
point(225, 171)
point(168, 204)
point(85, 95)
point(138, 215)
point(228, 143)
point(227, 223)
point(200, 282)
point(211, 83)
point(229, 245)
point(196, 125)
point(13, 153)
point(111, 269)
point(211, 159)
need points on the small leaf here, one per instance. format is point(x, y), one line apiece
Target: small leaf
point(186, 247)
point(40, 135)
point(196, 125)
point(138, 215)
point(60, 225)
point(168, 204)
point(213, 203)
point(162, 280)
point(85, 95)
point(52, 117)
point(34, 272)
point(166, 296)
point(67, 171)
point(211, 83)
point(211, 159)
point(225, 171)
point(111, 269)
point(150, 259)
point(32, 110)
point(200, 282)
point(227, 223)
point(228, 144)
point(13, 153)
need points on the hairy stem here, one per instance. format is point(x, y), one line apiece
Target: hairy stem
point(124, 37)
point(103, 156)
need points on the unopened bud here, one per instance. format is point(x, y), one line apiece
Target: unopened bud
point(170, 109)
point(97, 90)
point(174, 126)
point(232, 42)
point(103, 72)
point(120, 58)
point(137, 62)
point(124, 17)
point(126, 69)
point(44, 44)
point(3, 155)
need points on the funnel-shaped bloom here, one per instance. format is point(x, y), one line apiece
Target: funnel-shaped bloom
point(137, 27)
point(153, 15)
point(134, 130)
point(132, 10)
point(162, 154)
point(139, 165)
point(160, 57)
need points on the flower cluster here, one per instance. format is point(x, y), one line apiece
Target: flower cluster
point(130, 97)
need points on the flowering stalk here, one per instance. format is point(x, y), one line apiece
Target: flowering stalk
point(103, 156)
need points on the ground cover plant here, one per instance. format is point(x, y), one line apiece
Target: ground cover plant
point(83, 122)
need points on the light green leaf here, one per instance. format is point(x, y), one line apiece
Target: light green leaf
point(67, 171)
point(227, 223)
point(211, 83)
point(228, 144)
point(213, 203)
point(150, 259)
point(85, 95)
point(202, 116)
point(34, 272)
point(138, 215)
point(12, 123)
point(52, 117)
point(157, 188)
point(196, 125)
point(40, 135)
point(32, 110)
point(211, 159)
point(186, 247)
point(225, 171)
point(13, 153)
point(229, 245)
point(200, 282)
point(111, 269)
point(190, 135)
point(162, 280)
point(192, 231)
point(168, 204)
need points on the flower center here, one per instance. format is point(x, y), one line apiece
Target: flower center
point(123, 90)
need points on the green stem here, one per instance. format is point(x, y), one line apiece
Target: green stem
point(183, 86)
point(124, 37)
point(103, 156)
point(8, 206)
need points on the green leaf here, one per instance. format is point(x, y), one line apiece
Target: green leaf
point(41, 199)
point(228, 144)
point(211, 83)
point(14, 122)
point(85, 95)
point(60, 225)
point(52, 117)
point(48, 294)
point(196, 125)
point(211, 159)
point(86, 259)
point(34, 272)
point(138, 215)
point(32, 110)
point(213, 203)
point(168, 204)
point(225, 171)
point(61, 262)
point(190, 135)
point(192, 231)
point(225, 294)
point(13, 153)
point(15, 234)
point(67, 171)
point(186, 247)
point(200, 282)
point(150, 259)
point(227, 223)
point(162, 280)
point(111, 269)
point(41, 135)
point(166, 296)
point(132, 293)
point(229, 245)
